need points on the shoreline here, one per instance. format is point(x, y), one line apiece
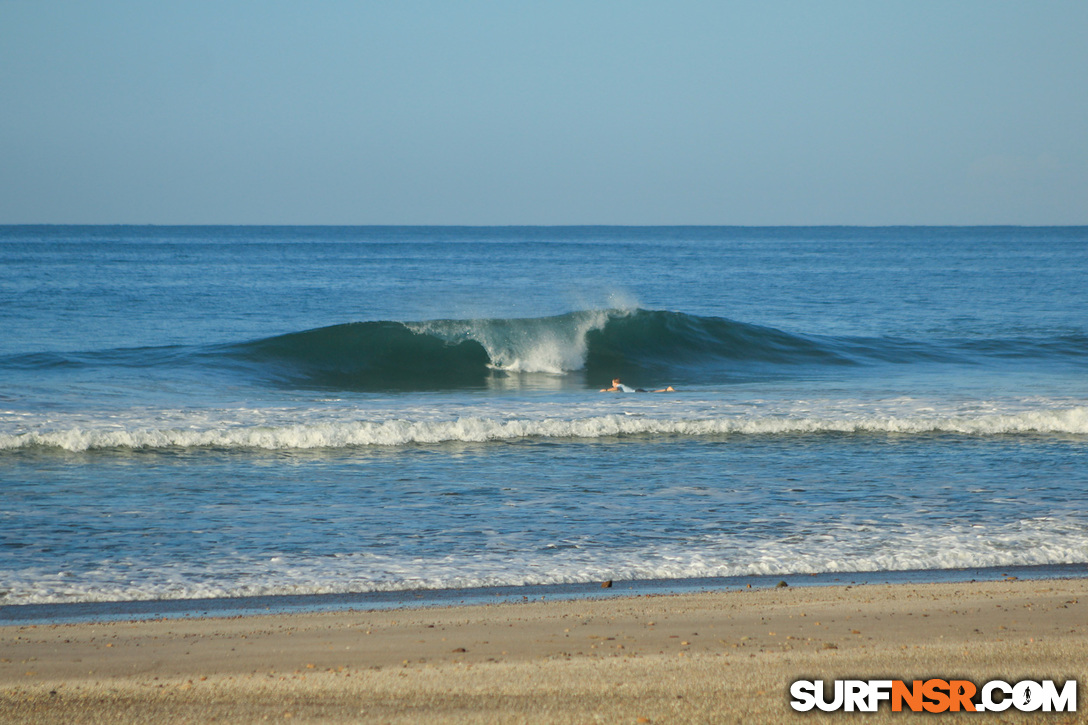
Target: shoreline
point(137, 610)
point(695, 657)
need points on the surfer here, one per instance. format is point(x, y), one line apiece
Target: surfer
point(619, 387)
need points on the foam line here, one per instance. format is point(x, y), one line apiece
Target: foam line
point(353, 434)
point(1030, 542)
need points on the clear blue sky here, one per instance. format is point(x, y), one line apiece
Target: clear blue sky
point(468, 112)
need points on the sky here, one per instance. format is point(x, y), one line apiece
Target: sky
point(495, 113)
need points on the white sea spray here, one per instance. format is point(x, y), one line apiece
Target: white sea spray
point(475, 429)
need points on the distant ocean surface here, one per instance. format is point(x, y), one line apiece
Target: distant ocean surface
point(191, 412)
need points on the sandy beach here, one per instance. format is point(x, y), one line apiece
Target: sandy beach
point(708, 657)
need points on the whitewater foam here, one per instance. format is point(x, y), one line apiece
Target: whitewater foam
point(858, 548)
point(542, 345)
point(474, 429)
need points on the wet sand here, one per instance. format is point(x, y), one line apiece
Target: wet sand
point(708, 657)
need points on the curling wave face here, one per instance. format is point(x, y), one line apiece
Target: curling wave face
point(441, 354)
point(597, 344)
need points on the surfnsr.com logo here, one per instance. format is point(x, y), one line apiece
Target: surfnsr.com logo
point(934, 695)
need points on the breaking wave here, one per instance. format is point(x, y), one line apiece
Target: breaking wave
point(403, 432)
point(440, 354)
point(397, 356)
point(859, 548)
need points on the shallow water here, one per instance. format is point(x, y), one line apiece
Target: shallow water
point(212, 412)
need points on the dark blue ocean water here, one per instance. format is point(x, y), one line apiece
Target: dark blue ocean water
point(225, 411)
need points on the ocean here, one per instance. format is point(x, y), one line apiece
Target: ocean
point(218, 412)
